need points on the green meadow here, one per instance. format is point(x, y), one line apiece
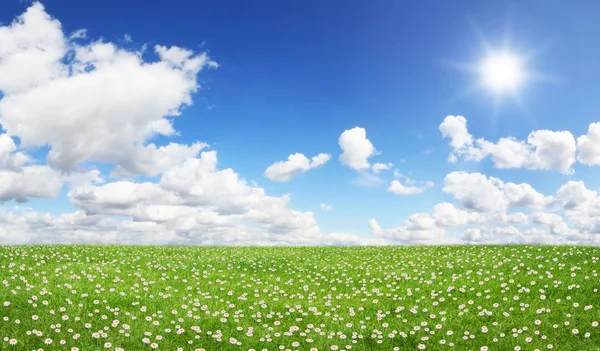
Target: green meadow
point(299, 298)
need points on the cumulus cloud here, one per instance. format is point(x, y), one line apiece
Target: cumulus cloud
point(588, 146)
point(480, 193)
point(543, 150)
point(416, 230)
point(356, 149)
point(31, 181)
point(582, 206)
point(92, 101)
point(447, 215)
point(284, 171)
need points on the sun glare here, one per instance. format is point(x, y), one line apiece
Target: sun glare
point(502, 72)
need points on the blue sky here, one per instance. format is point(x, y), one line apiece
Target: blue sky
point(293, 76)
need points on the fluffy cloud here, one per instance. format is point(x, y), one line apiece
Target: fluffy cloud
point(588, 146)
point(447, 215)
point(197, 201)
point(544, 149)
point(476, 192)
point(31, 50)
point(582, 206)
point(417, 230)
point(9, 157)
point(480, 193)
point(356, 149)
point(481, 215)
point(93, 102)
point(31, 181)
point(283, 171)
point(398, 188)
point(19, 182)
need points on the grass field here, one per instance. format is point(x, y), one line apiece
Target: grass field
point(242, 298)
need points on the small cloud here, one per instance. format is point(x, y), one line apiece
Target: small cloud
point(284, 171)
point(78, 34)
point(127, 38)
point(398, 188)
point(428, 151)
point(378, 167)
point(326, 207)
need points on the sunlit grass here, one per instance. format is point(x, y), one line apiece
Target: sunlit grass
point(301, 298)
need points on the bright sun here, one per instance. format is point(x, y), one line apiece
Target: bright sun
point(502, 72)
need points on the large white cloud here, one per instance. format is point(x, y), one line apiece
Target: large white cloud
point(93, 102)
point(284, 171)
point(356, 148)
point(19, 181)
point(582, 206)
point(31, 181)
point(31, 50)
point(543, 150)
point(480, 193)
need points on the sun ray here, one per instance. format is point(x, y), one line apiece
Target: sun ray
point(503, 71)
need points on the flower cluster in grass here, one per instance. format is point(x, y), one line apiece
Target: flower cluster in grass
point(299, 298)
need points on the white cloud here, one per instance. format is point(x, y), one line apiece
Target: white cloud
point(516, 218)
point(415, 231)
point(284, 171)
point(581, 205)
point(78, 34)
point(326, 207)
point(31, 49)
point(9, 157)
point(523, 195)
point(477, 192)
point(543, 150)
point(455, 128)
point(588, 146)
point(356, 149)
point(92, 102)
point(447, 215)
point(378, 167)
point(398, 188)
point(31, 181)
point(152, 160)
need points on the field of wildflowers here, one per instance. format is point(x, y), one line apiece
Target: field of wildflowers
point(299, 298)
